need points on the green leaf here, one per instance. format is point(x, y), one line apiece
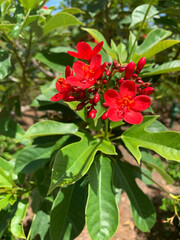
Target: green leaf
point(122, 53)
point(156, 164)
point(30, 4)
point(60, 20)
point(56, 61)
point(6, 165)
point(132, 38)
point(74, 160)
point(116, 124)
point(5, 200)
point(156, 126)
point(6, 27)
point(158, 47)
point(5, 216)
point(153, 44)
point(49, 127)
point(72, 10)
point(106, 147)
point(4, 64)
point(102, 215)
point(34, 157)
point(164, 68)
point(99, 37)
point(138, 136)
point(40, 225)
point(142, 209)
point(69, 210)
point(5, 179)
point(16, 225)
point(139, 12)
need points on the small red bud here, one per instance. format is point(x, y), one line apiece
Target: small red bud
point(140, 82)
point(70, 98)
point(80, 106)
point(105, 105)
point(140, 64)
point(104, 81)
point(121, 69)
point(81, 95)
point(92, 113)
point(109, 64)
point(134, 75)
point(121, 80)
point(96, 98)
point(129, 70)
point(105, 64)
point(104, 116)
point(115, 63)
point(67, 71)
point(108, 73)
point(147, 91)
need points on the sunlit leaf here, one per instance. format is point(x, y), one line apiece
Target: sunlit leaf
point(138, 136)
point(102, 215)
point(63, 19)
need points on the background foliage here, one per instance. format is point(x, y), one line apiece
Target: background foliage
point(33, 54)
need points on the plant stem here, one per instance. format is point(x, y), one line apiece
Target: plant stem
point(139, 31)
point(106, 127)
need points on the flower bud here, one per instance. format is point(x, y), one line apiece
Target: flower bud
point(129, 70)
point(104, 81)
point(121, 69)
point(104, 116)
point(115, 63)
point(96, 98)
point(121, 80)
point(140, 64)
point(108, 73)
point(80, 106)
point(70, 98)
point(105, 105)
point(92, 113)
point(67, 71)
point(147, 91)
point(134, 75)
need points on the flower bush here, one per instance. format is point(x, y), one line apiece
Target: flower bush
point(67, 168)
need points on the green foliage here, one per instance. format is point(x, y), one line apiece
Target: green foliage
point(137, 136)
point(68, 169)
point(101, 211)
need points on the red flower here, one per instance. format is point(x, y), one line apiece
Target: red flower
point(86, 75)
point(125, 104)
point(85, 51)
point(63, 87)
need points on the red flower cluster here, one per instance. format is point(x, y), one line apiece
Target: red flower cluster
point(91, 82)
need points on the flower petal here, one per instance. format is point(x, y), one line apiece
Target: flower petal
point(127, 88)
point(95, 62)
point(84, 50)
point(78, 68)
point(133, 117)
point(67, 71)
point(80, 82)
point(96, 49)
point(114, 114)
point(140, 103)
point(74, 54)
point(111, 97)
point(57, 97)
